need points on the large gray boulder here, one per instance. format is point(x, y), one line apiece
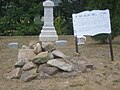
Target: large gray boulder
point(29, 66)
point(20, 63)
point(42, 57)
point(14, 74)
point(48, 46)
point(39, 69)
point(37, 48)
point(42, 75)
point(81, 65)
point(58, 54)
point(24, 47)
point(29, 75)
point(32, 43)
point(50, 70)
point(51, 56)
point(26, 54)
point(61, 64)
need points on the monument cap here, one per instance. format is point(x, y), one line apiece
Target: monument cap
point(48, 3)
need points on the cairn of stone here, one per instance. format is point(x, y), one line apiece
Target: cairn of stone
point(41, 60)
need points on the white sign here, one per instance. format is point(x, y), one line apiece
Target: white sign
point(91, 22)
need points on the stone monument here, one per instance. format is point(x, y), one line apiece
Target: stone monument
point(48, 32)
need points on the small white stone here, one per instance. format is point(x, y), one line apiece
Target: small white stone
point(13, 45)
point(61, 43)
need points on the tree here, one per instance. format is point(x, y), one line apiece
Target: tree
point(19, 15)
point(113, 6)
point(3, 6)
point(66, 8)
point(61, 26)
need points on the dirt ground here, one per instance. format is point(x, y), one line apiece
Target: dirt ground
point(104, 76)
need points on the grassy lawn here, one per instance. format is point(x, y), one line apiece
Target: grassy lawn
point(102, 78)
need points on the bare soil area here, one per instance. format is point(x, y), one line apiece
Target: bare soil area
point(104, 76)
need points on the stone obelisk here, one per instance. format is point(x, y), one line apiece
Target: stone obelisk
point(48, 32)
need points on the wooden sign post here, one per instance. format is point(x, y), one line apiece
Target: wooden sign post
point(76, 45)
point(111, 49)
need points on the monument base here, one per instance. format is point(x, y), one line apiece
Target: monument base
point(46, 38)
point(48, 34)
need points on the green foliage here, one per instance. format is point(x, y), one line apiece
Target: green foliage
point(30, 29)
point(116, 26)
point(22, 17)
point(19, 17)
point(61, 26)
point(66, 8)
point(101, 38)
point(3, 6)
point(113, 6)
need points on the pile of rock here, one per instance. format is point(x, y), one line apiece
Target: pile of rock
point(41, 60)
